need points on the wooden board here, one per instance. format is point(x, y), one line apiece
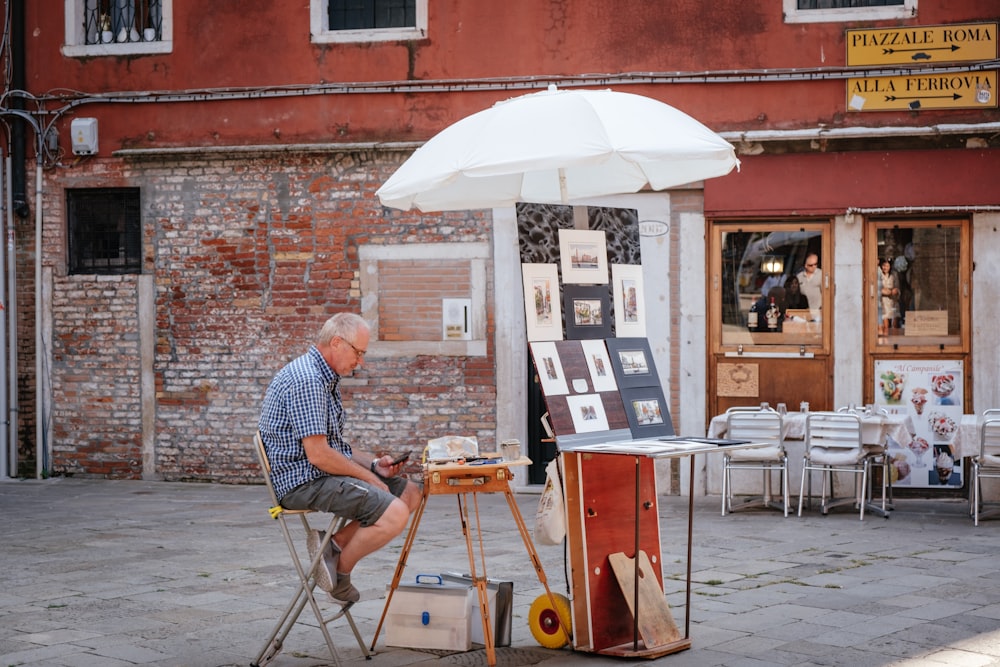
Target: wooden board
point(656, 623)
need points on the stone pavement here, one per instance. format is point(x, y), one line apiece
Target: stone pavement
point(115, 573)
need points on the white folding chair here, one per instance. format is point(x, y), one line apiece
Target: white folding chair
point(986, 464)
point(305, 568)
point(833, 444)
point(755, 426)
point(877, 455)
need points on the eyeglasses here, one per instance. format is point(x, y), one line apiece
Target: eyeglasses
point(360, 353)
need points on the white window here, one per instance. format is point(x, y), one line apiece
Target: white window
point(816, 11)
point(118, 27)
point(332, 21)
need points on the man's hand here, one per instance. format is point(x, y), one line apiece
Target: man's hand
point(327, 459)
point(385, 466)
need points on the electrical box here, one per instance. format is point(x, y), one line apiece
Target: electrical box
point(84, 135)
point(456, 316)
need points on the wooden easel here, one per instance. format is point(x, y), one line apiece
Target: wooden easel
point(466, 482)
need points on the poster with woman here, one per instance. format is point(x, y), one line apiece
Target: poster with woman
point(931, 393)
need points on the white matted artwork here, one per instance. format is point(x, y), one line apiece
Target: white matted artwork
point(583, 254)
point(588, 414)
point(602, 375)
point(550, 369)
point(542, 309)
point(630, 303)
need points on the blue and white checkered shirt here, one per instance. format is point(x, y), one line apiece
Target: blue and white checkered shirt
point(303, 399)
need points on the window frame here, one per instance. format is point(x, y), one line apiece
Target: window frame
point(74, 39)
point(320, 33)
point(479, 260)
point(896, 345)
point(132, 263)
point(792, 13)
point(770, 342)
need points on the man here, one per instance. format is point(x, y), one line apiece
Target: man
point(811, 281)
point(313, 467)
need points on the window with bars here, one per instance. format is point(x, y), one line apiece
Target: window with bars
point(845, 4)
point(369, 14)
point(367, 20)
point(117, 27)
point(105, 230)
point(814, 11)
point(122, 21)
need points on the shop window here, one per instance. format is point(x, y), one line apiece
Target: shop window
point(118, 27)
point(105, 231)
point(367, 20)
point(815, 11)
point(771, 284)
point(918, 276)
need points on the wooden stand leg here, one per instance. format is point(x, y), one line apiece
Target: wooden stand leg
point(401, 564)
point(530, 547)
point(480, 582)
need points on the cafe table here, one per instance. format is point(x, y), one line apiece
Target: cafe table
point(876, 430)
point(966, 440)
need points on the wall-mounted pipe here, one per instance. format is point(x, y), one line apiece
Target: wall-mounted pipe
point(11, 414)
point(18, 136)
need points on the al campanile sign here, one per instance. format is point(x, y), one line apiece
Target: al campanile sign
point(915, 45)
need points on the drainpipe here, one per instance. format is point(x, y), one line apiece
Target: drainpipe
point(43, 445)
point(42, 384)
point(6, 463)
point(11, 414)
point(17, 82)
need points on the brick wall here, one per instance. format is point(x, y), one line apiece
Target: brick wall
point(249, 255)
point(410, 294)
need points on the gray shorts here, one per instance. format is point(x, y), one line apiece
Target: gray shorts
point(348, 497)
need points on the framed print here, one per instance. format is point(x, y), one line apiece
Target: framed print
point(632, 362)
point(602, 376)
point(542, 312)
point(588, 414)
point(588, 315)
point(550, 369)
point(583, 255)
point(647, 412)
point(630, 304)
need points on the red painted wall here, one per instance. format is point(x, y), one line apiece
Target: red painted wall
point(859, 180)
point(226, 44)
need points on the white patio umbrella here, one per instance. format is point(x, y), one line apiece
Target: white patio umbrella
point(554, 147)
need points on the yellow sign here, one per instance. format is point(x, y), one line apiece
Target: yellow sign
point(961, 42)
point(958, 90)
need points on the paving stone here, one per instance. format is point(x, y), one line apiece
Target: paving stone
point(174, 575)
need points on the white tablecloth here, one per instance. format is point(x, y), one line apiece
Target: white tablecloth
point(966, 442)
point(874, 428)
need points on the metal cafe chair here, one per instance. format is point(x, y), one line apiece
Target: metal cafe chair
point(757, 426)
point(305, 569)
point(878, 454)
point(833, 444)
point(986, 464)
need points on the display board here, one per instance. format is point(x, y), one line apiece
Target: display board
point(931, 392)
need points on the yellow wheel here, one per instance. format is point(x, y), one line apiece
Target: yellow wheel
point(550, 627)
